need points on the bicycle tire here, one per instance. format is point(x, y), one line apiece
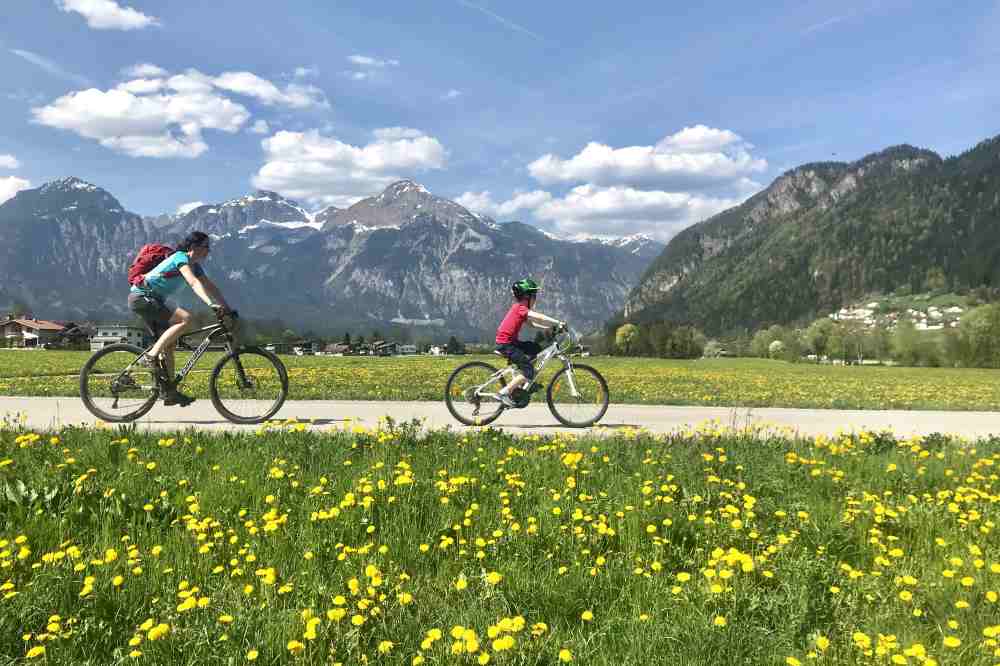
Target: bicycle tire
point(450, 386)
point(605, 398)
point(88, 398)
point(269, 360)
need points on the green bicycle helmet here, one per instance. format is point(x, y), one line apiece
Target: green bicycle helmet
point(524, 288)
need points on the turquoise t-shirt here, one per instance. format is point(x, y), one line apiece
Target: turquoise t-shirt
point(166, 277)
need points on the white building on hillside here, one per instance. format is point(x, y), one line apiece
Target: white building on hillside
point(109, 334)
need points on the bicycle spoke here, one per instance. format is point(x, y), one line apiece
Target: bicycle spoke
point(248, 387)
point(470, 395)
point(578, 398)
point(114, 387)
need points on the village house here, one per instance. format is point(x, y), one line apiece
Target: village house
point(28, 332)
point(109, 334)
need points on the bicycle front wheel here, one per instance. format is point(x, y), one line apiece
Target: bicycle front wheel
point(114, 387)
point(248, 385)
point(578, 396)
point(464, 394)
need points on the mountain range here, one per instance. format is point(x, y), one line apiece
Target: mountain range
point(403, 257)
point(827, 234)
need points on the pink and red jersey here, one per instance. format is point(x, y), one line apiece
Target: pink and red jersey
point(512, 323)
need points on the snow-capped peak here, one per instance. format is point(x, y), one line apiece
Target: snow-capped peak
point(71, 183)
point(401, 187)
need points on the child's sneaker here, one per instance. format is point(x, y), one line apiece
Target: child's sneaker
point(505, 400)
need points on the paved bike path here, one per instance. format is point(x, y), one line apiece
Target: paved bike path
point(45, 413)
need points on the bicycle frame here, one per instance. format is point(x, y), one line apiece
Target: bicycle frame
point(546, 355)
point(215, 332)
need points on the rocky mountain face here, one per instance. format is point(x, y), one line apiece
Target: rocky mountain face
point(405, 256)
point(826, 234)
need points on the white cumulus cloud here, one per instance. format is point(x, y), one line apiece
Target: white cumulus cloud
point(164, 116)
point(368, 61)
point(9, 162)
point(483, 203)
point(368, 67)
point(11, 185)
point(107, 14)
point(144, 70)
point(184, 209)
point(695, 157)
point(451, 94)
point(294, 95)
point(167, 124)
point(141, 86)
point(306, 72)
point(620, 210)
point(325, 170)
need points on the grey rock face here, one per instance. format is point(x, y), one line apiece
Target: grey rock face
point(405, 256)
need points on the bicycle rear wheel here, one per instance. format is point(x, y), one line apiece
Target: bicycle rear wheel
point(114, 387)
point(248, 385)
point(461, 394)
point(584, 408)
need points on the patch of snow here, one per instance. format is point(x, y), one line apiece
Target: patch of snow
point(249, 227)
point(362, 229)
point(294, 225)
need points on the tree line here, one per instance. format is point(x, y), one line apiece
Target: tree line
point(660, 339)
point(974, 342)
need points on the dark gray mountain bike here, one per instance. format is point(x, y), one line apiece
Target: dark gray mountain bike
point(577, 394)
point(247, 385)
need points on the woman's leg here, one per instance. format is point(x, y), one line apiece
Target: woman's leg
point(167, 344)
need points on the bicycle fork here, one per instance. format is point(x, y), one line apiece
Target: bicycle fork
point(572, 382)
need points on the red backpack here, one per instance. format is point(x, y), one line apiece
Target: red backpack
point(150, 255)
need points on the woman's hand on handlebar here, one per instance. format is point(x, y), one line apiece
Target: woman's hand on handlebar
point(222, 311)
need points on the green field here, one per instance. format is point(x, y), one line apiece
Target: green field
point(749, 382)
point(398, 546)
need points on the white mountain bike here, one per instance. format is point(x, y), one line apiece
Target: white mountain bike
point(577, 394)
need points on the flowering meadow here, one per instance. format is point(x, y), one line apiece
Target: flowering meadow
point(399, 545)
point(718, 382)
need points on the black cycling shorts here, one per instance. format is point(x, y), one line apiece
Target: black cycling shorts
point(521, 353)
point(155, 313)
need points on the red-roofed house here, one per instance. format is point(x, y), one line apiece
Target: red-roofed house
point(28, 332)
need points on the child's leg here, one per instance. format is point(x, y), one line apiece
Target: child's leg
point(523, 363)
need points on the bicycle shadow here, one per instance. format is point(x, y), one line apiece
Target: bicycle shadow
point(559, 426)
point(308, 422)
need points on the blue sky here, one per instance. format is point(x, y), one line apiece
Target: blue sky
point(603, 118)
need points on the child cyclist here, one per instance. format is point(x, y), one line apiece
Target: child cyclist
point(148, 299)
point(521, 352)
